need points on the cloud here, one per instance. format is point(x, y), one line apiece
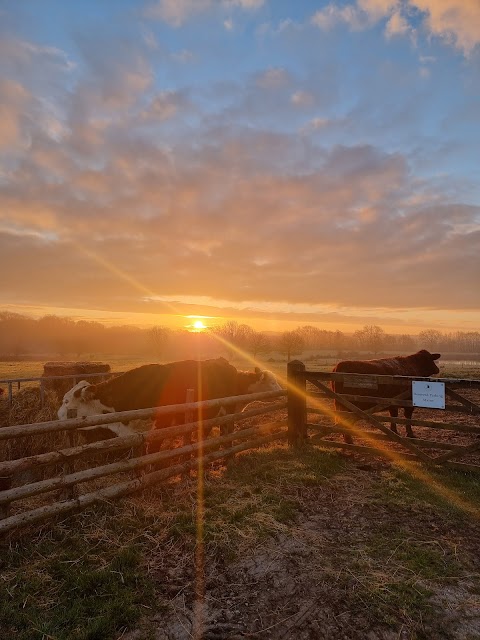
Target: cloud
point(397, 26)
point(332, 15)
point(177, 12)
point(302, 99)
point(13, 100)
point(219, 220)
point(378, 9)
point(273, 78)
point(261, 187)
point(113, 81)
point(244, 4)
point(455, 22)
point(165, 105)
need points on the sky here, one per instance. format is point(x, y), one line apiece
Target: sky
point(277, 163)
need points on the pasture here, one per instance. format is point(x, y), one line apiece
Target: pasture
point(291, 545)
point(34, 368)
point(278, 544)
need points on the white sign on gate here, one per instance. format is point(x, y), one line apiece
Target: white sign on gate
point(428, 394)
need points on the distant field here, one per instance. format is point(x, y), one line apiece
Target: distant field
point(34, 368)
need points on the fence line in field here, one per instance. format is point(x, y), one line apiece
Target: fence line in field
point(68, 480)
point(75, 377)
point(367, 389)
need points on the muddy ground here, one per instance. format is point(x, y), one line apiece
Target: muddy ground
point(369, 553)
point(324, 577)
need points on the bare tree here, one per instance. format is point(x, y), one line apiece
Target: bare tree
point(159, 338)
point(235, 337)
point(371, 338)
point(430, 339)
point(405, 342)
point(291, 343)
point(259, 343)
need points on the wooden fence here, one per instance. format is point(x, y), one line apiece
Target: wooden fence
point(42, 381)
point(38, 487)
point(310, 393)
point(71, 477)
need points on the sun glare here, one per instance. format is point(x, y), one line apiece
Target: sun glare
point(198, 325)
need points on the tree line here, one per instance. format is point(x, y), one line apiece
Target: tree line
point(21, 336)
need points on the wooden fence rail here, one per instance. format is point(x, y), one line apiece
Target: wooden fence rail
point(119, 490)
point(367, 389)
point(179, 459)
point(126, 416)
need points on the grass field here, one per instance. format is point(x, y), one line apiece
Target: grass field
point(279, 544)
point(34, 368)
point(359, 551)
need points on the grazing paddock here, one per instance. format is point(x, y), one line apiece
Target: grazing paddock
point(281, 543)
point(305, 544)
point(30, 494)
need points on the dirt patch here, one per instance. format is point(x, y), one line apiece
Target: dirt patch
point(350, 565)
point(372, 553)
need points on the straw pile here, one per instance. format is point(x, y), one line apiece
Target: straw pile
point(70, 369)
point(27, 409)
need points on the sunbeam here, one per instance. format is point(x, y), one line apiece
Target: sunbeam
point(411, 467)
point(122, 275)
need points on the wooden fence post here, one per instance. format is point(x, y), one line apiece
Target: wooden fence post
point(5, 484)
point(69, 467)
point(296, 403)
point(187, 438)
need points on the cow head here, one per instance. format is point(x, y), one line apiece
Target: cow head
point(82, 399)
point(263, 381)
point(428, 362)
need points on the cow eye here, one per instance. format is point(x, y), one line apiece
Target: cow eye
point(105, 411)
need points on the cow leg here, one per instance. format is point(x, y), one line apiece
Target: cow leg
point(158, 424)
point(228, 427)
point(346, 436)
point(408, 412)
point(154, 447)
point(393, 414)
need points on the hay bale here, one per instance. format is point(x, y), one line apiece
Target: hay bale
point(60, 387)
point(27, 409)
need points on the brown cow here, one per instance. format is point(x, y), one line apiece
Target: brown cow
point(156, 385)
point(420, 364)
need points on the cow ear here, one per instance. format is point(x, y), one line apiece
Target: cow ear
point(78, 393)
point(435, 356)
point(88, 393)
point(258, 370)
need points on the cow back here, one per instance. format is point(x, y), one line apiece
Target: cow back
point(155, 385)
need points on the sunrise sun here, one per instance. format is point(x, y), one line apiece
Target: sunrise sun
point(197, 323)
